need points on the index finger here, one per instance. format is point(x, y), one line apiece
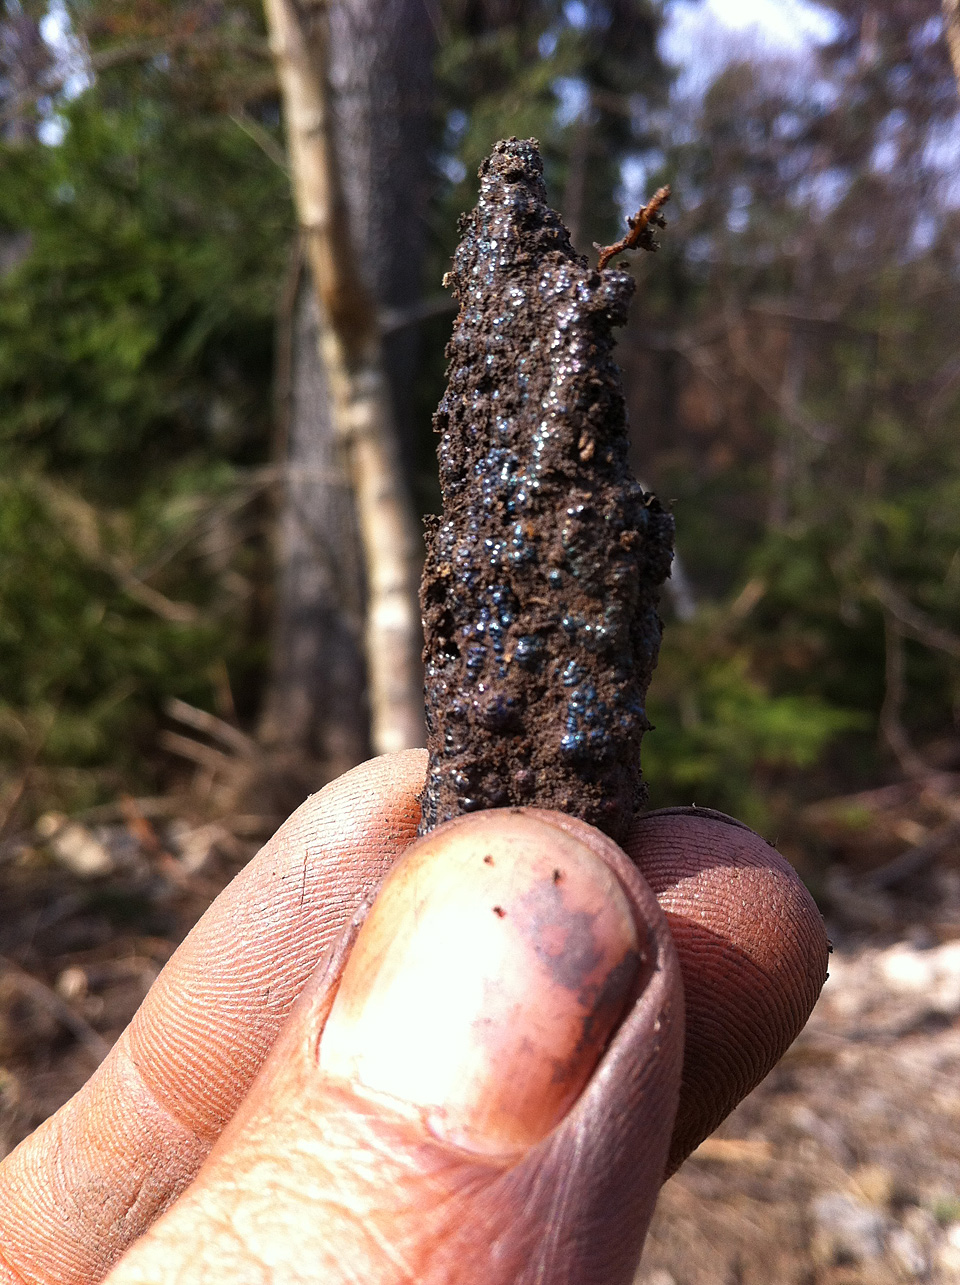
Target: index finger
point(93, 1177)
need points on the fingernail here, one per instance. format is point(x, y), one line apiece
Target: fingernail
point(499, 958)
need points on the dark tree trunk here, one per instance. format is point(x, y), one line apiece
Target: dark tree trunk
point(380, 74)
point(316, 709)
point(380, 77)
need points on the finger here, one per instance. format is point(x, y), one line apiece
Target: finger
point(96, 1175)
point(753, 955)
point(77, 1192)
point(485, 1092)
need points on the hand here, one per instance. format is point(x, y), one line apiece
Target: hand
point(482, 1082)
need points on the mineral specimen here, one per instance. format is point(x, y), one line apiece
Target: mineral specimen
point(541, 582)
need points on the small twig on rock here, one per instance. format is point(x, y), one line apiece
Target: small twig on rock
point(642, 234)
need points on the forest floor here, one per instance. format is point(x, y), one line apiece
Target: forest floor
point(842, 1168)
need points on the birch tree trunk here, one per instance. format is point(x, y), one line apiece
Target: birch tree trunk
point(354, 78)
point(951, 18)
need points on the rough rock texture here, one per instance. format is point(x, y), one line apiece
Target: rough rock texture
point(541, 581)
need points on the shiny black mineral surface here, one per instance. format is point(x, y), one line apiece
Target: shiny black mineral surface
point(540, 588)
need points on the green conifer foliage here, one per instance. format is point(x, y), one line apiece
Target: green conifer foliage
point(136, 331)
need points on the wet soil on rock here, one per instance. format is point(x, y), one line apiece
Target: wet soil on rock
point(542, 574)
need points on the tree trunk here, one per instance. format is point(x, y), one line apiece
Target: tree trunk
point(355, 78)
point(951, 18)
point(316, 708)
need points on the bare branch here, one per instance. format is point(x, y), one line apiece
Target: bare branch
point(791, 411)
point(915, 859)
point(80, 523)
point(176, 613)
point(643, 225)
point(394, 319)
point(202, 721)
point(933, 789)
point(891, 726)
point(263, 139)
point(913, 620)
point(45, 997)
point(197, 752)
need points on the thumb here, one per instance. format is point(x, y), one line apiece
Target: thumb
point(479, 1086)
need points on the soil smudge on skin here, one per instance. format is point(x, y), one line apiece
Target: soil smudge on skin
point(542, 575)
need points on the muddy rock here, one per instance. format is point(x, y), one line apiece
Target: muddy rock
point(541, 581)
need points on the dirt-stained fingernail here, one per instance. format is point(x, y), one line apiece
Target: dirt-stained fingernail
point(498, 960)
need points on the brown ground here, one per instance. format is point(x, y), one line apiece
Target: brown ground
point(843, 1167)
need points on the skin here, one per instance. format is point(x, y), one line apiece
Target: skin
point(481, 1079)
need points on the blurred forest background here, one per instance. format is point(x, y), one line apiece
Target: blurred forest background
point(792, 370)
point(185, 574)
